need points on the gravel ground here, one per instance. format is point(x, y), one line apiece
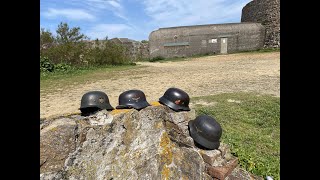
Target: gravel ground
point(243, 72)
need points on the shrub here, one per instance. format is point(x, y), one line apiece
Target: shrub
point(69, 49)
point(62, 67)
point(46, 65)
point(107, 53)
point(157, 58)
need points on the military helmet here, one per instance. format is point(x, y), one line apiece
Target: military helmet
point(95, 99)
point(176, 99)
point(132, 99)
point(205, 131)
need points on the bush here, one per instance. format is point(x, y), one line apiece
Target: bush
point(46, 65)
point(107, 53)
point(68, 53)
point(69, 49)
point(62, 67)
point(157, 58)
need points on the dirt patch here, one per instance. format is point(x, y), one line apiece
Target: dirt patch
point(233, 101)
point(244, 72)
point(202, 103)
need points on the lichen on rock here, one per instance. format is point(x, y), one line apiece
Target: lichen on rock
point(152, 143)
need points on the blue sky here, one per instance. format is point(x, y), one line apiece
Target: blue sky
point(135, 19)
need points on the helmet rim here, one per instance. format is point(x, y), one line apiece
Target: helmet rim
point(139, 105)
point(105, 106)
point(172, 105)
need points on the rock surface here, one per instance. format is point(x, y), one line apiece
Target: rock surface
point(152, 143)
point(57, 140)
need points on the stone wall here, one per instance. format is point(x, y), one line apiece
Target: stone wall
point(152, 143)
point(143, 51)
point(135, 50)
point(266, 12)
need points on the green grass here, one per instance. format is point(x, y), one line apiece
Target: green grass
point(52, 81)
point(174, 59)
point(265, 50)
point(251, 128)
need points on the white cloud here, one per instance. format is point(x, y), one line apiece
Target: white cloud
point(73, 14)
point(115, 4)
point(100, 31)
point(166, 13)
point(100, 6)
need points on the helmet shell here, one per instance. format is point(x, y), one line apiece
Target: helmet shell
point(132, 99)
point(206, 131)
point(176, 99)
point(95, 99)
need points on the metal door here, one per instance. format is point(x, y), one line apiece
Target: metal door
point(224, 45)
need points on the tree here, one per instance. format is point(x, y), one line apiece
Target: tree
point(46, 39)
point(67, 35)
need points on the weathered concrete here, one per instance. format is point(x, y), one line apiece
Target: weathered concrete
point(266, 12)
point(194, 40)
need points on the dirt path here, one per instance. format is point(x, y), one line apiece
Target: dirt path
point(245, 72)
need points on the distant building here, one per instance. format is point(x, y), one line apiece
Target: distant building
point(186, 41)
point(259, 28)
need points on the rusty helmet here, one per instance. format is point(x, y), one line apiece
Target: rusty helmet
point(206, 131)
point(176, 99)
point(132, 99)
point(94, 100)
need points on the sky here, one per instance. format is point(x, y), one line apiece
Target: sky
point(135, 19)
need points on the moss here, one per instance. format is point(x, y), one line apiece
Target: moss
point(155, 103)
point(166, 154)
point(158, 125)
point(165, 172)
point(54, 128)
point(119, 111)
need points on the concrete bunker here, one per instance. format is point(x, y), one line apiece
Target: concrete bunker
point(186, 41)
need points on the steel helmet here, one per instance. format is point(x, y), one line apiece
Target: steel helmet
point(95, 99)
point(205, 131)
point(132, 99)
point(176, 99)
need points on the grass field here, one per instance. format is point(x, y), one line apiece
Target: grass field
point(251, 126)
point(52, 81)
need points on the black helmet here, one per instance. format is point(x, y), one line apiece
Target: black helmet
point(132, 99)
point(205, 131)
point(95, 99)
point(176, 99)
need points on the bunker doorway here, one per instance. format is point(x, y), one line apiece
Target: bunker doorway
point(224, 46)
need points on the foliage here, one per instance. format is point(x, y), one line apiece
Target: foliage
point(70, 49)
point(46, 39)
point(46, 65)
point(107, 52)
point(66, 35)
point(62, 67)
point(157, 58)
point(251, 126)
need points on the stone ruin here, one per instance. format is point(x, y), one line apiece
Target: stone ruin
point(152, 143)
